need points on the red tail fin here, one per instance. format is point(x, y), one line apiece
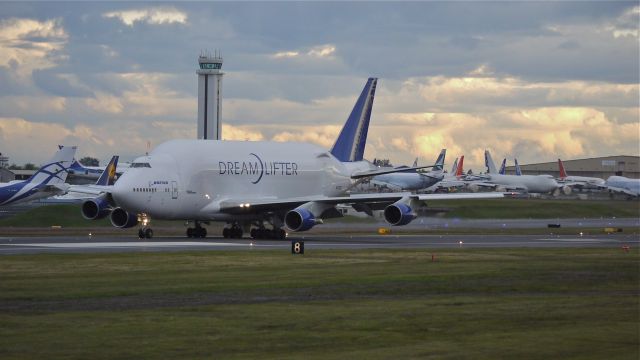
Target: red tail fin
point(459, 171)
point(563, 173)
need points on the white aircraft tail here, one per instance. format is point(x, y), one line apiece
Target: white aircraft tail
point(54, 171)
point(488, 162)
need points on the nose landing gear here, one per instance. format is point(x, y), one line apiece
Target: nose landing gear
point(145, 231)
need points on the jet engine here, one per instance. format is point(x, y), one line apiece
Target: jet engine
point(120, 218)
point(300, 219)
point(501, 188)
point(566, 190)
point(473, 188)
point(96, 208)
point(398, 214)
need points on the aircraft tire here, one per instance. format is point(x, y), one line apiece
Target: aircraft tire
point(148, 233)
point(189, 232)
point(141, 234)
point(226, 233)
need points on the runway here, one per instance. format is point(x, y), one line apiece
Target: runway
point(102, 244)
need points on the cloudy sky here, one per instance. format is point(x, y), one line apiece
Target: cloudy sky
point(532, 80)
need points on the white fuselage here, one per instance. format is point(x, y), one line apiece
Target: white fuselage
point(187, 179)
point(406, 181)
point(531, 183)
point(586, 180)
point(629, 186)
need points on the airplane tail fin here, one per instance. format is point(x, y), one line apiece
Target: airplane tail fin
point(503, 167)
point(563, 172)
point(439, 164)
point(460, 169)
point(54, 171)
point(454, 168)
point(518, 171)
point(488, 162)
point(415, 163)
point(108, 176)
point(353, 137)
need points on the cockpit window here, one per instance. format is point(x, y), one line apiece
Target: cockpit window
point(140, 165)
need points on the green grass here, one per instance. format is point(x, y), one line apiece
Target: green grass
point(68, 216)
point(374, 304)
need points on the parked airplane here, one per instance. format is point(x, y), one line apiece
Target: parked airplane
point(77, 193)
point(454, 179)
point(80, 171)
point(242, 183)
point(47, 181)
point(623, 185)
point(526, 183)
point(413, 180)
point(581, 182)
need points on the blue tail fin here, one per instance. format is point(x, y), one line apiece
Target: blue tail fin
point(503, 167)
point(439, 165)
point(353, 137)
point(518, 171)
point(108, 176)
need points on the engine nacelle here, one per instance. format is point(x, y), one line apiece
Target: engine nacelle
point(95, 209)
point(398, 214)
point(120, 218)
point(501, 188)
point(566, 190)
point(473, 188)
point(300, 219)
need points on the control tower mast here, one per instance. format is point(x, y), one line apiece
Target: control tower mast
point(209, 96)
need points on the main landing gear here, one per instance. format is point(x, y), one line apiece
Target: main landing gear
point(264, 233)
point(233, 232)
point(197, 231)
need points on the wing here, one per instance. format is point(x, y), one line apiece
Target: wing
point(375, 201)
point(81, 192)
point(369, 173)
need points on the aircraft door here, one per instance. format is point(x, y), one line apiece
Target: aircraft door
point(174, 189)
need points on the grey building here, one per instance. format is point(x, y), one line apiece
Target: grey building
point(602, 167)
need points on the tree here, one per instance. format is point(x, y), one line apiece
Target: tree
point(89, 161)
point(30, 166)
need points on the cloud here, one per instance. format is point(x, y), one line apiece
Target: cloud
point(317, 52)
point(27, 44)
point(153, 16)
point(324, 136)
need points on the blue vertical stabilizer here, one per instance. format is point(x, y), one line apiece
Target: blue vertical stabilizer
point(352, 139)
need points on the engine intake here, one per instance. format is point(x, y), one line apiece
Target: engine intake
point(300, 219)
point(399, 214)
point(95, 209)
point(120, 218)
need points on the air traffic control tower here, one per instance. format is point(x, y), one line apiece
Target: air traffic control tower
point(209, 96)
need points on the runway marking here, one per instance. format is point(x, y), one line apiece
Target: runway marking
point(580, 240)
point(125, 244)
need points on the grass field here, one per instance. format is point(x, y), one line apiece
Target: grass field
point(68, 216)
point(373, 304)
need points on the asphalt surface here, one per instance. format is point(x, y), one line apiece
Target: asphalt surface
point(102, 244)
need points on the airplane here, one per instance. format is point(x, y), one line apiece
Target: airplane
point(623, 185)
point(581, 182)
point(454, 179)
point(77, 170)
point(49, 180)
point(413, 180)
point(248, 184)
point(526, 183)
point(76, 193)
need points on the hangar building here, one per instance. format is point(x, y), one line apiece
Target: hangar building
point(602, 167)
